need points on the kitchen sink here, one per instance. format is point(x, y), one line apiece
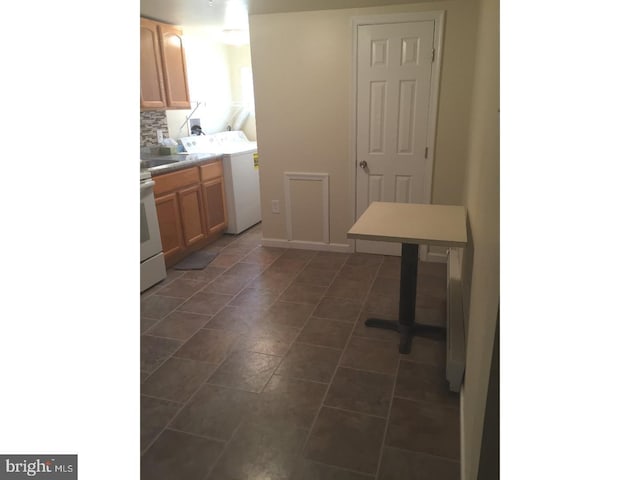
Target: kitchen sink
point(156, 162)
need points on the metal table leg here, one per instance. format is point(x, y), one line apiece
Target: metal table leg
point(406, 325)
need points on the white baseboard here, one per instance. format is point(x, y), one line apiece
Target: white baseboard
point(334, 247)
point(306, 245)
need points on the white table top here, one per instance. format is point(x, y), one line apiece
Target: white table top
point(441, 225)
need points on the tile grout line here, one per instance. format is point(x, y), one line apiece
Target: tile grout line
point(335, 371)
point(172, 356)
point(212, 315)
point(386, 427)
point(218, 366)
point(224, 449)
point(142, 453)
point(186, 402)
point(344, 469)
point(183, 272)
point(230, 244)
point(300, 452)
point(348, 410)
point(439, 457)
point(160, 398)
point(393, 390)
point(245, 421)
point(388, 422)
point(175, 309)
point(299, 332)
point(178, 411)
point(199, 435)
point(276, 299)
point(148, 330)
point(351, 335)
point(293, 342)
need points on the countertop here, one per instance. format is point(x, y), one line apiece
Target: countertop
point(177, 162)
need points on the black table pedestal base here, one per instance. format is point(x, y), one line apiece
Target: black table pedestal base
point(406, 325)
point(407, 331)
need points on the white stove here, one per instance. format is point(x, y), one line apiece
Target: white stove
point(152, 267)
point(145, 174)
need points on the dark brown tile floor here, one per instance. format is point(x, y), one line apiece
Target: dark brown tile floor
point(260, 367)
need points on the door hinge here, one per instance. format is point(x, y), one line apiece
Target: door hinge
point(433, 55)
point(426, 152)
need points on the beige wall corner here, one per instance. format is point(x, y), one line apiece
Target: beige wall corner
point(482, 198)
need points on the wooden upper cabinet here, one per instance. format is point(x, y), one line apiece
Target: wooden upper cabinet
point(151, 81)
point(163, 69)
point(175, 66)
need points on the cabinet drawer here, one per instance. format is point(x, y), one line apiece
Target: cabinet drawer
point(211, 171)
point(175, 180)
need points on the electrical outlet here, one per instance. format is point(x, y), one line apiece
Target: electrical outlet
point(160, 135)
point(275, 206)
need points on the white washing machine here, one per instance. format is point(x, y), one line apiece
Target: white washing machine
point(241, 175)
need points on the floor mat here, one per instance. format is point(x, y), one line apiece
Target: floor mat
point(195, 261)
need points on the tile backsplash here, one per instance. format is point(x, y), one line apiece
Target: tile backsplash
point(150, 122)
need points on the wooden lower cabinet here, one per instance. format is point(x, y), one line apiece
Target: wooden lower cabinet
point(190, 200)
point(191, 209)
point(215, 210)
point(170, 226)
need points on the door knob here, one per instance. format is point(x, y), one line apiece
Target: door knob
point(363, 164)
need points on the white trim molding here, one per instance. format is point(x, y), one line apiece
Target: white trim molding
point(305, 245)
point(318, 177)
point(463, 438)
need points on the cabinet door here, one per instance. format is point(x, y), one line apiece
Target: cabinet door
point(214, 206)
point(170, 226)
point(151, 81)
point(191, 212)
point(175, 66)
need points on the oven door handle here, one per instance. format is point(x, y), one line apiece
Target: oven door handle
point(147, 185)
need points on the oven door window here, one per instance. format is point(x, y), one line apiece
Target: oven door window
point(150, 243)
point(145, 236)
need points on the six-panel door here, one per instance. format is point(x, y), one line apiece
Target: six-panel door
point(394, 65)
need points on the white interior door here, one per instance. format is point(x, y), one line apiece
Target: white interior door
point(394, 82)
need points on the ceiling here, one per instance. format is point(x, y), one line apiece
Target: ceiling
point(213, 12)
point(188, 12)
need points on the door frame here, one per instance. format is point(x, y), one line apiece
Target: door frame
point(438, 17)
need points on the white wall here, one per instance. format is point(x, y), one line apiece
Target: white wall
point(213, 73)
point(302, 76)
point(482, 198)
point(209, 82)
point(239, 57)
